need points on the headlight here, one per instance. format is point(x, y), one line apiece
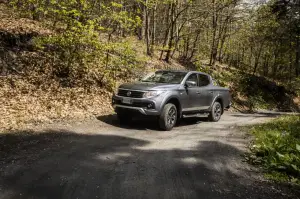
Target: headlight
point(150, 94)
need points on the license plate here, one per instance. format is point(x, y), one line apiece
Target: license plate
point(127, 101)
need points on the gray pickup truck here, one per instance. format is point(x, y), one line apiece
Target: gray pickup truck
point(171, 95)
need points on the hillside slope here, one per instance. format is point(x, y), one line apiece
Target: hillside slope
point(36, 87)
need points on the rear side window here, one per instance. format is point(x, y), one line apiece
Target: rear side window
point(203, 80)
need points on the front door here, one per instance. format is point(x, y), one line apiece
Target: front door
point(192, 94)
point(199, 96)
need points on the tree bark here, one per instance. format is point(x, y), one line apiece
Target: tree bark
point(297, 58)
point(266, 66)
point(194, 45)
point(275, 64)
point(147, 29)
point(214, 46)
point(166, 32)
point(144, 7)
point(153, 29)
point(223, 36)
point(171, 32)
point(257, 57)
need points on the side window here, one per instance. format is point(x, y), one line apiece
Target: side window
point(193, 78)
point(203, 80)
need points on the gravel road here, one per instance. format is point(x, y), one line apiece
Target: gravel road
point(100, 159)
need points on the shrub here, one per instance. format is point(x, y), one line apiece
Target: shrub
point(277, 147)
point(84, 48)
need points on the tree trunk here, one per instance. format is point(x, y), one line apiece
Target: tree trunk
point(194, 45)
point(186, 46)
point(275, 64)
point(144, 7)
point(250, 58)
point(153, 29)
point(223, 36)
point(297, 58)
point(170, 44)
point(243, 55)
point(146, 23)
point(257, 57)
point(166, 32)
point(214, 46)
point(266, 66)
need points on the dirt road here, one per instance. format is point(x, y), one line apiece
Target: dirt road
point(99, 159)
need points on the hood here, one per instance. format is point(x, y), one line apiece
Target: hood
point(149, 86)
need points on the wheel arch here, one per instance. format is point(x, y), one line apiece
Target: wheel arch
point(174, 100)
point(220, 100)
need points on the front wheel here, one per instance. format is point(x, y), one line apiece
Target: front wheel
point(168, 117)
point(216, 112)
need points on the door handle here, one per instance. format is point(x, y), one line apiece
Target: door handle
point(198, 92)
point(211, 92)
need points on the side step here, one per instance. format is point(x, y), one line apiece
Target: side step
point(195, 115)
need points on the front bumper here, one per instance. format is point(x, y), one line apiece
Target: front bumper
point(140, 105)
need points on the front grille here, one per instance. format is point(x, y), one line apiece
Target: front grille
point(129, 93)
point(136, 104)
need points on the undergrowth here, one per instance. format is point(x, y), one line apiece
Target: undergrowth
point(252, 92)
point(277, 148)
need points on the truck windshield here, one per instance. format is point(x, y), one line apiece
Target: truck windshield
point(170, 77)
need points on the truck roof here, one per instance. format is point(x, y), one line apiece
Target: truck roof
point(184, 71)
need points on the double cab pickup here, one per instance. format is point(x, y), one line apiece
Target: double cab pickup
point(170, 95)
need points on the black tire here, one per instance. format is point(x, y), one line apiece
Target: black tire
point(216, 112)
point(124, 118)
point(168, 117)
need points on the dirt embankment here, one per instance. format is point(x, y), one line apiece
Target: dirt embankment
point(30, 92)
point(28, 95)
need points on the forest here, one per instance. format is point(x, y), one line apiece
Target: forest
point(258, 37)
point(71, 54)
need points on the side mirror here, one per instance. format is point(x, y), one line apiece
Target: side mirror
point(190, 84)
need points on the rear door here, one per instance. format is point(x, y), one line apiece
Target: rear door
point(206, 92)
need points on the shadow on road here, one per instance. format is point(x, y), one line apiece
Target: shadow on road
point(259, 114)
point(146, 123)
point(62, 164)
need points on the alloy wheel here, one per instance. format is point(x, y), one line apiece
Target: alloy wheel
point(217, 111)
point(171, 117)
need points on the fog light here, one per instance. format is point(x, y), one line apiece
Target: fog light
point(150, 106)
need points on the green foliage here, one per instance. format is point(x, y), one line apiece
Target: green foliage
point(277, 147)
point(224, 78)
point(83, 45)
point(88, 36)
point(249, 91)
point(295, 85)
point(265, 42)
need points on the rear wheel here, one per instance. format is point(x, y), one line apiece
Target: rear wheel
point(216, 112)
point(168, 117)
